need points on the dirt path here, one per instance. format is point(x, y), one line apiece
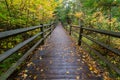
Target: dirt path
point(58, 59)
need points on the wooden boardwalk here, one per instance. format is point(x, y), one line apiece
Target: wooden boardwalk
point(58, 59)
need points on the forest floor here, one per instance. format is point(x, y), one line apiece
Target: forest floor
point(61, 59)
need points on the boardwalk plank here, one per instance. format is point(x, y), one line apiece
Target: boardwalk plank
point(59, 60)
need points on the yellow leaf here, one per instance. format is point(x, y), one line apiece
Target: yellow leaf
point(90, 68)
point(26, 70)
point(40, 58)
point(29, 64)
point(35, 77)
point(77, 77)
point(79, 68)
point(41, 70)
point(67, 72)
point(24, 76)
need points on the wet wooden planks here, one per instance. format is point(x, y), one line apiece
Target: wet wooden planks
point(57, 60)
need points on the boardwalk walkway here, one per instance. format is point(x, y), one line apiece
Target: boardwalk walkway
point(58, 59)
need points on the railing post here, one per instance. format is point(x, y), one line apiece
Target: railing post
point(51, 28)
point(53, 25)
point(42, 35)
point(70, 30)
point(80, 32)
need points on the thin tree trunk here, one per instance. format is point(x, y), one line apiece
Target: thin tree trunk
point(7, 6)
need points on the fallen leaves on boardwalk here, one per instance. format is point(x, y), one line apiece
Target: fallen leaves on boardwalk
point(40, 58)
point(60, 58)
point(93, 67)
point(77, 77)
point(67, 72)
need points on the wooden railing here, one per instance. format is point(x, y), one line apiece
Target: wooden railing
point(81, 31)
point(6, 54)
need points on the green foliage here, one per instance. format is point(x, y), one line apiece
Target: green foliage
point(15, 14)
point(98, 14)
point(25, 12)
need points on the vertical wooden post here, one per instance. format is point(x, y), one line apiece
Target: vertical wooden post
point(42, 35)
point(70, 30)
point(55, 24)
point(51, 28)
point(80, 32)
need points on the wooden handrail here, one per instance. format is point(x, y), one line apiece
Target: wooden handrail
point(103, 58)
point(9, 52)
point(105, 32)
point(7, 34)
point(17, 47)
point(102, 44)
point(19, 31)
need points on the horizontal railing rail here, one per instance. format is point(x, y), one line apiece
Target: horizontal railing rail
point(80, 30)
point(17, 47)
point(44, 33)
point(106, 32)
point(110, 33)
point(19, 31)
point(103, 58)
point(102, 44)
point(47, 29)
